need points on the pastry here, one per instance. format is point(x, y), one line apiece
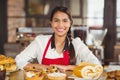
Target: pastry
point(7, 63)
point(33, 75)
point(113, 75)
point(88, 71)
point(56, 76)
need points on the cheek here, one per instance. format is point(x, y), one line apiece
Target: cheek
point(68, 25)
point(53, 27)
point(53, 24)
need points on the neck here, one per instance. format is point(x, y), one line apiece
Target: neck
point(59, 43)
point(60, 39)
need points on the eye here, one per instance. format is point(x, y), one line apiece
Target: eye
point(55, 20)
point(66, 20)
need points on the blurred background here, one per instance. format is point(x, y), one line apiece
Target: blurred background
point(96, 22)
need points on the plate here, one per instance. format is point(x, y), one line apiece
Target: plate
point(102, 77)
point(72, 76)
point(112, 68)
point(77, 78)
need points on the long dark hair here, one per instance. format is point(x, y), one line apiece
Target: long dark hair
point(71, 47)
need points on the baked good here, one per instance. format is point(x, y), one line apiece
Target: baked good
point(31, 73)
point(50, 69)
point(56, 76)
point(7, 63)
point(113, 75)
point(1, 57)
point(88, 71)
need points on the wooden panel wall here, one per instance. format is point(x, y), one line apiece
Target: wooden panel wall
point(110, 24)
point(3, 24)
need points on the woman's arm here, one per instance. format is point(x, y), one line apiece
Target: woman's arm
point(29, 53)
point(36, 66)
point(83, 54)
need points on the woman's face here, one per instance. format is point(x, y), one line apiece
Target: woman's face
point(60, 23)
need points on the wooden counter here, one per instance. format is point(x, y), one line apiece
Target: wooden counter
point(19, 75)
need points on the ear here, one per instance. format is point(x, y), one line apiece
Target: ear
point(71, 22)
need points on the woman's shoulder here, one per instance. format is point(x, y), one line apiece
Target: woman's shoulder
point(77, 39)
point(43, 37)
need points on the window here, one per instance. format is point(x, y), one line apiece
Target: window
point(118, 13)
point(95, 12)
point(118, 20)
point(38, 11)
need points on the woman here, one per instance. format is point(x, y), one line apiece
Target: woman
point(59, 49)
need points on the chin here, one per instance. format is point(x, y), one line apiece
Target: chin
point(60, 34)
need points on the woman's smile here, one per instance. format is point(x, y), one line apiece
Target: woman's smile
point(60, 29)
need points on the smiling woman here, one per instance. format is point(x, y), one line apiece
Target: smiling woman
point(60, 49)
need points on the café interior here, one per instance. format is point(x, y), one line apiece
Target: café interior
point(96, 22)
point(21, 20)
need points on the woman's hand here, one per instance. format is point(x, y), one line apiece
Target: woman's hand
point(36, 66)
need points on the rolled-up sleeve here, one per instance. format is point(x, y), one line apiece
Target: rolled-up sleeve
point(27, 54)
point(83, 53)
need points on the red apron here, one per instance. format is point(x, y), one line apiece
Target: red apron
point(61, 61)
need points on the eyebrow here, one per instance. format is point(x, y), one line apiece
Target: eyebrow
point(63, 19)
point(55, 18)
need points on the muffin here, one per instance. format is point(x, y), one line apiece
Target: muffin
point(56, 76)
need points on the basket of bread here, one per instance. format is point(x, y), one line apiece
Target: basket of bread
point(88, 71)
point(7, 63)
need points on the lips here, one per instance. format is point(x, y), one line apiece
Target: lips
point(60, 30)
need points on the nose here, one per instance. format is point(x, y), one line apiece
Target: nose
point(60, 24)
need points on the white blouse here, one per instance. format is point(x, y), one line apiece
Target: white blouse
point(37, 46)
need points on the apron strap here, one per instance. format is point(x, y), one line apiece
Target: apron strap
point(47, 47)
